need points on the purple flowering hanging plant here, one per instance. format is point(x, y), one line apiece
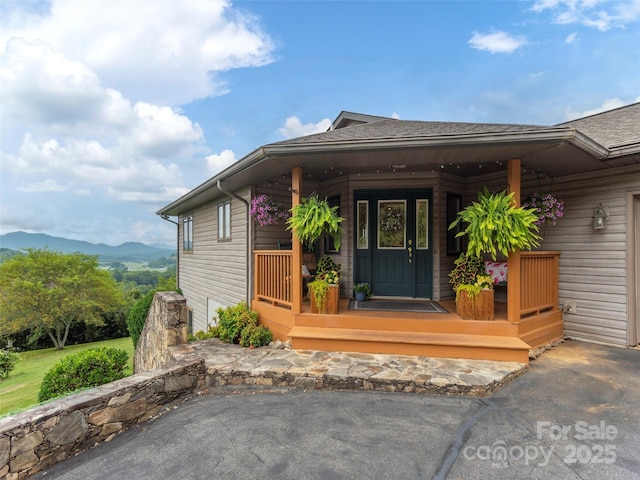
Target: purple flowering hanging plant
point(265, 211)
point(547, 207)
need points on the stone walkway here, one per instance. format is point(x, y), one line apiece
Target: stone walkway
point(279, 366)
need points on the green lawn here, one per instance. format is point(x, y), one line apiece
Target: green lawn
point(20, 390)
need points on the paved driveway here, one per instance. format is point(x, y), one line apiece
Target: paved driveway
point(574, 415)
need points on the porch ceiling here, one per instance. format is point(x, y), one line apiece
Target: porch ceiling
point(550, 157)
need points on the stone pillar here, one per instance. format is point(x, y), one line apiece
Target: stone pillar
point(166, 326)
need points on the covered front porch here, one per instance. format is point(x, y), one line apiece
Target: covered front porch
point(526, 312)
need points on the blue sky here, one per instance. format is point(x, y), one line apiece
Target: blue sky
point(113, 109)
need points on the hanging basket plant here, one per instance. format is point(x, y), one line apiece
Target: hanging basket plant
point(313, 218)
point(495, 225)
point(547, 207)
point(265, 211)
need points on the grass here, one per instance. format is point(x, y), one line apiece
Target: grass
point(20, 390)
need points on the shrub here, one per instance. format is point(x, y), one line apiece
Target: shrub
point(8, 362)
point(138, 316)
point(255, 336)
point(232, 320)
point(88, 368)
point(212, 332)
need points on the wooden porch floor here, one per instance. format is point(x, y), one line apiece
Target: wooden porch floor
point(412, 333)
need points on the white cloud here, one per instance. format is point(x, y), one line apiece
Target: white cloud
point(173, 59)
point(608, 104)
point(535, 75)
point(571, 37)
point(601, 14)
point(293, 127)
point(395, 115)
point(496, 42)
point(218, 162)
point(48, 185)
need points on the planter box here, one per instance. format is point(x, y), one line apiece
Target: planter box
point(479, 308)
point(333, 299)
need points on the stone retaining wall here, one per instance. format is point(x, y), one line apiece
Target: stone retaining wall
point(36, 439)
point(165, 327)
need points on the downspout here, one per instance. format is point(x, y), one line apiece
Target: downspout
point(248, 246)
point(166, 217)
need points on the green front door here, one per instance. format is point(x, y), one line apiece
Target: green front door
point(393, 242)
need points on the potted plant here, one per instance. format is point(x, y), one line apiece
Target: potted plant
point(265, 211)
point(318, 292)
point(362, 291)
point(465, 270)
point(474, 301)
point(324, 291)
point(494, 225)
point(312, 218)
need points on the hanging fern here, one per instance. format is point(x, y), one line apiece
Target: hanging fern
point(313, 218)
point(496, 225)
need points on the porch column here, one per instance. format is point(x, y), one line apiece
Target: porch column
point(296, 246)
point(513, 261)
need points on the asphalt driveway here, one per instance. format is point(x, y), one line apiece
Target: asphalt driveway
point(574, 415)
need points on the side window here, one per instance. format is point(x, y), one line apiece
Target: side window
point(224, 220)
point(187, 234)
point(189, 322)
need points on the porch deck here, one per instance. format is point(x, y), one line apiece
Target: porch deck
point(419, 334)
point(529, 322)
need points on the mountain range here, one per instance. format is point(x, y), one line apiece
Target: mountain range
point(132, 251)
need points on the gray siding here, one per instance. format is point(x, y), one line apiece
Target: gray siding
point(593, 265)
point(216, 270)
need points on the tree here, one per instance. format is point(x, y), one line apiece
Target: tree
point(48, 291)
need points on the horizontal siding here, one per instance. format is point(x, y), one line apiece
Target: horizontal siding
point(593, 265)
point(216, 269)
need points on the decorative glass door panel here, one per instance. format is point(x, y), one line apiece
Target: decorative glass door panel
point(392, 223)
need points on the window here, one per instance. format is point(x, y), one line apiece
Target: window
point(189, 322)
point(363, 224)
point(224, 220)
point(187, 234)
point(422, 224)
point(328, 240)
point(454, 205)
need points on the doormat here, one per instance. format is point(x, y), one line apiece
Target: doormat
point(424, 306)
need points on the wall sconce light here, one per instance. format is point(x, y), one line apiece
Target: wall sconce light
point(600, 217)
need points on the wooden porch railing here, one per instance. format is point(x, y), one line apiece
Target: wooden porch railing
point(539, 282)
point(273, 276)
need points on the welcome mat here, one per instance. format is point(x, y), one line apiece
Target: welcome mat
point(423, 306)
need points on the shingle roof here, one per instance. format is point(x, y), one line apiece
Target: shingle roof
point(611, 129)
point(397, 129)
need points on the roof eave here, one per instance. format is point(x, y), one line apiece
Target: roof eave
point(553, 134)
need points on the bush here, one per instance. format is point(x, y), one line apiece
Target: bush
point(201, 335)
point(255, 336)
point(138, 316)
point(232, 320)
point(85, 369)
point(8, 362)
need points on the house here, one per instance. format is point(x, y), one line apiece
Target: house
point(590, 279)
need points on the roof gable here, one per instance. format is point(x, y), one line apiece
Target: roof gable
point(612, 129)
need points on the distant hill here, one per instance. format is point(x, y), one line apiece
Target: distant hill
point(129, 251)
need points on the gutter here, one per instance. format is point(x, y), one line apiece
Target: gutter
point(166, 217)
point(248, 241)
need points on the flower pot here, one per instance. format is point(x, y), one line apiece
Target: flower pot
point(333, 298)
point(479, 308)
point(361, 296)
point(331, 306)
